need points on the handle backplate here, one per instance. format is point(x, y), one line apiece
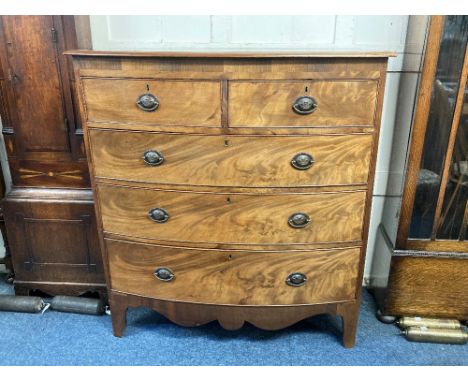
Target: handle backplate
point(153, 158)
point(147, 102)
point(296, 279)
point(158, 215)
point(302, 161)
point(305, 105)
point(164, 274)
point(298, 220)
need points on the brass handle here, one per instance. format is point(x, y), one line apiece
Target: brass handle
point(296, 279)
point(298, 220)
point(302, 161)
point(164, 274)
point(158, 215)
point(305, 105)
point(147, 102)
point(153, 158)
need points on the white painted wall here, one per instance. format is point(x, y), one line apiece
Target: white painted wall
point(249, 32)
point(388, 196)
point(306, 33)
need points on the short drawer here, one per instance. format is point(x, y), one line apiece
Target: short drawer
point(258, 219)
point(231, 161)
point(233, 277)
point(187, 103)
point(333, 103)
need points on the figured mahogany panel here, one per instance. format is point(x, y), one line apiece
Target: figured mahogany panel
point(233, 277)
point(256, 161)
point(191, 103)
point(339, 103)
point(232, 218)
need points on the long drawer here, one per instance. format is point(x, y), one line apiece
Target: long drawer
point(255, 219)
point(188, 103)
point(333, 103)
point(231, 160)
point(233, 277)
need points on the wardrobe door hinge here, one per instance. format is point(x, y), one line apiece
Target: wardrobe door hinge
point(53, 33)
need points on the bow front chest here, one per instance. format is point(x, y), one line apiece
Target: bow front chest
point(233, 187)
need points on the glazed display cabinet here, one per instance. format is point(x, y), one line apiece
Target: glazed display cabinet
point(429, 259)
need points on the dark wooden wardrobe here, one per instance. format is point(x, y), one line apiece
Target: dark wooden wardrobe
point(49, 212)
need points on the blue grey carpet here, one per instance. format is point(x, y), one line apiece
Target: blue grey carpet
point(71, 339)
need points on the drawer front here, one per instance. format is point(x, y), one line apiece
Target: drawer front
point(232, 218)
point(188, 103)
point(233, 160)
point(339, 103)
point(233, 277)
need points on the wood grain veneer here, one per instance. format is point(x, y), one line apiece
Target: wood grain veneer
point(340, 103)
point(238, 278)
point(216, 160)
point(238, 218)
point(227, 132)
point(192, 103)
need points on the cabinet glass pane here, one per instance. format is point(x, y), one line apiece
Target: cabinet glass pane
point(449, 67)
point(452, 224)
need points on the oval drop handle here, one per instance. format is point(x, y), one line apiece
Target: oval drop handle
point(164, 274)
point(147, 102)
point(302, 161)
point(158, 215)
point(153, 158)
point(296, 279)
point(298, 220)
point(305, 105)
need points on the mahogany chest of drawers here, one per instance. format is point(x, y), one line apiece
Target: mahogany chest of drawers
point(233, 187)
